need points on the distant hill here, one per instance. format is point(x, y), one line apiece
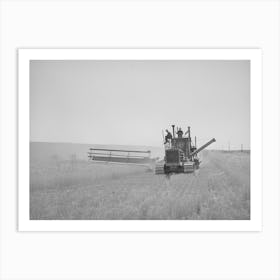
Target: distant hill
point(44, 151)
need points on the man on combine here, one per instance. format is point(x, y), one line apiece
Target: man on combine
point(167, 137)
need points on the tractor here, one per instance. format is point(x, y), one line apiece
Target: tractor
point(181, 155)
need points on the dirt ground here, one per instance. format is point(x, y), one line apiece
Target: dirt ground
point(219, 190)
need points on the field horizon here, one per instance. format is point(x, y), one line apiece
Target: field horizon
point(42, 149)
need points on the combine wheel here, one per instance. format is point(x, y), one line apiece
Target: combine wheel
point(196, 163)
point(159, 169)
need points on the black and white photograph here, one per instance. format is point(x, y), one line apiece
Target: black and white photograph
point(140, 139)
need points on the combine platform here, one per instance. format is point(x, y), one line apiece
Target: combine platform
point(120, 156)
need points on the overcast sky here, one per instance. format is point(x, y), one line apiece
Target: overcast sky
point(130, 102)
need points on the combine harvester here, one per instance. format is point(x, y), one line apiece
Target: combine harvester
point(181, 156)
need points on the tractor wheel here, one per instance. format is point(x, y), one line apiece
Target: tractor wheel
point(159, 169)
point(189, 167)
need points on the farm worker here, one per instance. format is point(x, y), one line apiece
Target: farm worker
point(168, 136)
point(180, 133)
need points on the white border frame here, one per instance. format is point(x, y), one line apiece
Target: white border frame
point(254, 55)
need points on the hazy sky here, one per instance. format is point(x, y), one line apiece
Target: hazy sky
point(130, 102)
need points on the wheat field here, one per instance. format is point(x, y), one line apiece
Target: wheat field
point(78, 189)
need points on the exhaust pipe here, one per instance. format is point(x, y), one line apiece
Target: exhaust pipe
point(173, 130)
